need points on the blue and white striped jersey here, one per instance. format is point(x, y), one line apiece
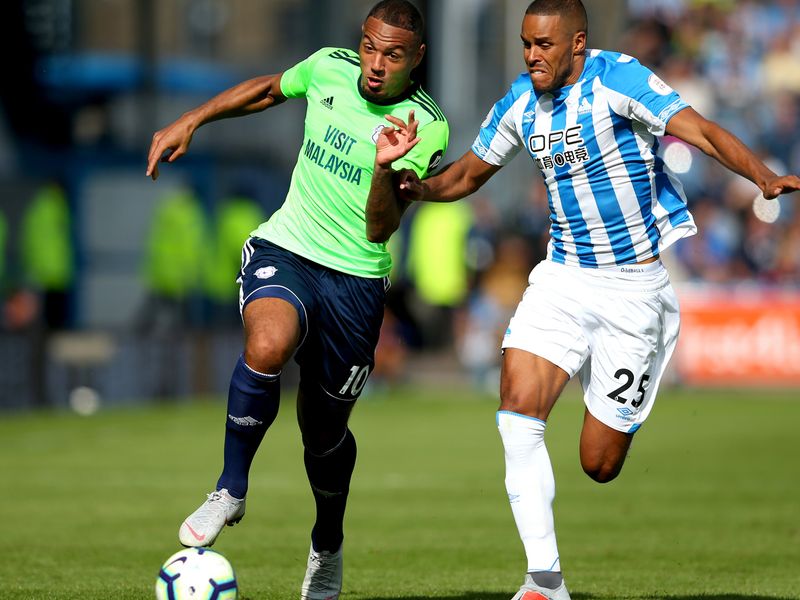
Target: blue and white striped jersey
point(613, 201)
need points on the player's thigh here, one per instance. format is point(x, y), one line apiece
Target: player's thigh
point(339, 355)
point(544, 345)
point(275, 301)
point(631, 340)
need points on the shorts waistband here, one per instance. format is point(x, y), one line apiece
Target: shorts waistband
point(649, 277)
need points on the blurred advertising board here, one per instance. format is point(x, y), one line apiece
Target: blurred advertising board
point(735, 338)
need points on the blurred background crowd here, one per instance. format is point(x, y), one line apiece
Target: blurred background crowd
point(117, 288)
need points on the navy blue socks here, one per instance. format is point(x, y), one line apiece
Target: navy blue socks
point(253, 400)
point(329, 476)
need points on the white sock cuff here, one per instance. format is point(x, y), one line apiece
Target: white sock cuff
point(259, 373)
point(512, 421)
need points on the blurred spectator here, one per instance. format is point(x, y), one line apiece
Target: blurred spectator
point(787, 265)
point(779, 136)
point(3, 242)
point(173, 262)
point(709, 256)
point(736, 62)
point(482, 236)
point(480, 326)
point(390, 354)
point(437, 250)
point(648, 41)
point(667, 11)
point(782, 63)
point(47, 254)
point(236, 217)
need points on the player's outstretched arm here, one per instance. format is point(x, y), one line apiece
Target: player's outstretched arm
point(384, 209)
point(457, 180)
point(253, 95)
point(730, 151)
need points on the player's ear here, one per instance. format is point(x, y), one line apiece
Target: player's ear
point(579, 42)
point(419, 55)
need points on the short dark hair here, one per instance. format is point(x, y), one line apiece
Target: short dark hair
point(570, 9)
point(399, 13)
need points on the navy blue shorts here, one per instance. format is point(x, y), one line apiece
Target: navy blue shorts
point(340, 314)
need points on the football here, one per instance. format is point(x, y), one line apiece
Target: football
point(196, 573)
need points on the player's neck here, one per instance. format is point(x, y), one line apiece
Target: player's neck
point(577, 70)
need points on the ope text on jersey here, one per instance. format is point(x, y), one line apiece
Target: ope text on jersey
point(571, 136)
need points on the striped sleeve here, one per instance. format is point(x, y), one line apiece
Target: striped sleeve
point(499, 139)
point(640, 95)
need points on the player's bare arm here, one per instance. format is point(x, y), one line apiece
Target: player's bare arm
point(251, 96)
point(384, 208)
point(731, 152)
point(457, 180)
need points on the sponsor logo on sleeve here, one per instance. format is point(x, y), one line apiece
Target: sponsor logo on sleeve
point(658, 86)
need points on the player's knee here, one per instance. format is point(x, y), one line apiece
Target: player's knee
point(322, 443)
point(266, 354)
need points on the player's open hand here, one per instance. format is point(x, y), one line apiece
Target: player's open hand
point(395, 142)
point(410, 186)
point(781, 185)
point(169, 144)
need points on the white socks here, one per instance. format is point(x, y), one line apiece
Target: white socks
point(531, 488)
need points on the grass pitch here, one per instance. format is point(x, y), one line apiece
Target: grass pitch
point(707, 507)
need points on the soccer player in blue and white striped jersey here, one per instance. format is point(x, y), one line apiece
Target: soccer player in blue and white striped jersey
point(601, 305)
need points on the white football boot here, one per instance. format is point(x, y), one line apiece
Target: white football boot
point(323, 579)
point(531, 591)
point(202, 527)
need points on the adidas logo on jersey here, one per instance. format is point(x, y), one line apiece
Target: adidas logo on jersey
point(584, 106)
point(327, 102)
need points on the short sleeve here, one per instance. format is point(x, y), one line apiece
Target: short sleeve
point(296, 80)
point(427, 155)
point(498, 140)
point(640, 95)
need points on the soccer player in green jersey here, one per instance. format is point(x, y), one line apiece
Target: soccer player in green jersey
point(313, 279)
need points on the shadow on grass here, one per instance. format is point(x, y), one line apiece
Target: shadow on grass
point(580, 596)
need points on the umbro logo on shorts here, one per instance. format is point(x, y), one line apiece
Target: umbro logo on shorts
point(327, 102)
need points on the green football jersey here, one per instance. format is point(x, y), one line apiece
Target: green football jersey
point(323, 217)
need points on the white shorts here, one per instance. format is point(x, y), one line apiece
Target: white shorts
point(616, 328)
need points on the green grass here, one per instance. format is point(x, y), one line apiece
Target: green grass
point(708, 506)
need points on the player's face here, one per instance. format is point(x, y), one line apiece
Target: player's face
point(388, 54)
point(553, 51)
